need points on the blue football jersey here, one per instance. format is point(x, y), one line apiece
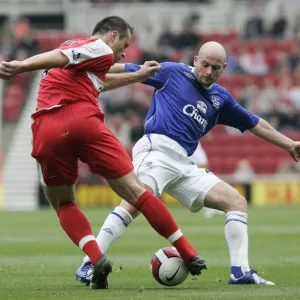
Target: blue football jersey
point(185, 111)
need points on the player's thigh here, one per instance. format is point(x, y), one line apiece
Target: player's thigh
point(104, 153)
point(53, 150)
point(155, 169)
point(226, 198)
point(191, 190)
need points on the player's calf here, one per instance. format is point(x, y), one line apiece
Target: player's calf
point(157, 214)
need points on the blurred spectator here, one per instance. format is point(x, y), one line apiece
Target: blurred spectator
point(279, 26)
point(288, 167)
point(159, 54)
point(7, 41)
point(294, 57)
point(280, 64)
point(187, 38)
point(244, 171)
point(254, 26)
point(296, 29)
point(254, 63)
point(27, 46)
point(121, 128)
point(250, 92)
point(265, 104)
point(166, 37)
point(288, 115)
point(137, 128)
point(146, 38)
point(239, 94)
point(7, 44)
point(231, 60)
point(294, 95)
point(21, 28)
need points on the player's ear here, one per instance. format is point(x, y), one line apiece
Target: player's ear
point(115, 35)
point(195, 59)
point(224, 67)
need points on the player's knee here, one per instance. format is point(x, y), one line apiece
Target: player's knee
point(59, 195)
point(238, 202)
point(129, 187)
point(129, 208)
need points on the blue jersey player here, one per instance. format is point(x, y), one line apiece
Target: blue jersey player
point(186, 104)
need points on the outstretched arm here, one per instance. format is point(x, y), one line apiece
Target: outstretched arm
point(47, 60)
point(113, 81)
point(117, 68)
point(265, 131)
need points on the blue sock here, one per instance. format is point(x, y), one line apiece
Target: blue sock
point(237, 272)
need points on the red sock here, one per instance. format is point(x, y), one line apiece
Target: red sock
point(78, 228)
point(185, 249)
point(159, 217)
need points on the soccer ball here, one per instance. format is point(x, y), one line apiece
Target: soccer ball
point(168, 268)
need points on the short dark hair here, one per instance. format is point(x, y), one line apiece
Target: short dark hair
point(113, 23)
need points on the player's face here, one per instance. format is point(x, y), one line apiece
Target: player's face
point(208, 69)
point(119, 45)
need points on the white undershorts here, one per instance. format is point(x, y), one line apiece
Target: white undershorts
point(199, 156)
point(163, 165)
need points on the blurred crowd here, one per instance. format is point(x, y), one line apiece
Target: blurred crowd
point(263, 71)
point(136, 1)
point(17, 40)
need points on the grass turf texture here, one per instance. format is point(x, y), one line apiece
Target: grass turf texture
point(37, 260)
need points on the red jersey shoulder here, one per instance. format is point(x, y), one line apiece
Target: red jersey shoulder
point(80, 50)
point(76, 42)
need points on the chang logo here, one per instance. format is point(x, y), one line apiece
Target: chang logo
point(202, 106)
point(193, 112)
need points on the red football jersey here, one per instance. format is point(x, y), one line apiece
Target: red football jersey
point(81, 80)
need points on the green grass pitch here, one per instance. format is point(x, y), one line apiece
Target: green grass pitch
point(37, 260)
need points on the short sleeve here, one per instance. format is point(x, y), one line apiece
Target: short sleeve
point(158, 81)
point(90, 55)
point(234, 115)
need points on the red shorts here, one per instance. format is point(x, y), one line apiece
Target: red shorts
point(63, 135)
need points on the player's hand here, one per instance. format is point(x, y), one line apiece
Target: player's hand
point(149, 68)
point(295, 151)
point(10, 69)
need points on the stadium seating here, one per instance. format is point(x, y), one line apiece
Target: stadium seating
point(224, 150)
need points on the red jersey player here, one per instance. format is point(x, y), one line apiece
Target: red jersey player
point(69, 126)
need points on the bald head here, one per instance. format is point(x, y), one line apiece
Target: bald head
point(213, 50)
point(210, 63)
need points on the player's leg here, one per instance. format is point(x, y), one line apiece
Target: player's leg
point(106, 156)
point(200, 158)
point(130, 188)
point(224, 197)
point(204, 188)
point(114, 226)
point(72, 220)
point(57, 168)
